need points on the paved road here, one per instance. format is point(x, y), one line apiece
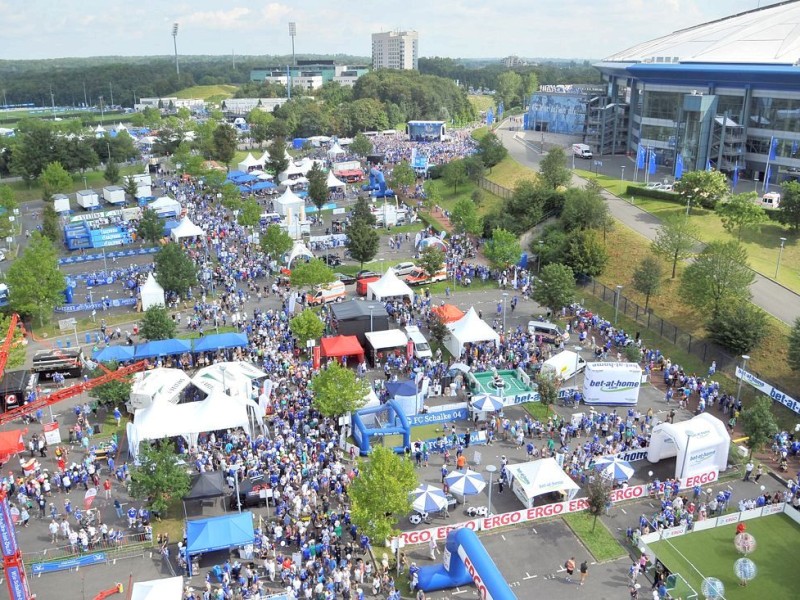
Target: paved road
point(774, 298)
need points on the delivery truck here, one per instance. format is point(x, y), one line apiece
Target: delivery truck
point(564, 365)
point(581, 150)
point(612, 383)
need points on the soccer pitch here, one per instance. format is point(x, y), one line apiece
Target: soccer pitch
point(711, 552)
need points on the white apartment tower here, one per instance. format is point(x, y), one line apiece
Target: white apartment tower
point(395, 50)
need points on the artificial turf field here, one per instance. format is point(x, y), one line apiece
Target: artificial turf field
point(711, 552)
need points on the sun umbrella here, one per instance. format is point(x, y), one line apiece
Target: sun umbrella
point(614, 468)
point(427, 498)
point(465, 483)
point(486, 402)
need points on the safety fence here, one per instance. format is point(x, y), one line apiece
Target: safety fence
point(63, 558)
point(493, 188)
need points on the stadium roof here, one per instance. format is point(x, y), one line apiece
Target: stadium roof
point(766, 36)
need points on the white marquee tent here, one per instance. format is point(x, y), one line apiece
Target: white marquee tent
point(288, 203)
point(165, 206)
point(537, 477)
point(158, 589)
point(699, 445)
point(152, 294)
point(299, 249)
point(469, 329)
point(264, 158)
point(233, 378)
point(389, 286)
point(186, 229)
point(250, 162)
point(157, 385)
point(333, 182)
point(335, 150)
point(292, 170)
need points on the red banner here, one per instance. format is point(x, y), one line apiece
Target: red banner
point(316, 356)
point(409, 350)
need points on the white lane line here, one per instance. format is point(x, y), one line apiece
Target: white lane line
point(502, 536)
point(561, 570)
point(529, 577)
point(460, 592)
point(534, 531)
point(623, 510)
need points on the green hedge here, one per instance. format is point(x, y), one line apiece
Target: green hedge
point(635, 190)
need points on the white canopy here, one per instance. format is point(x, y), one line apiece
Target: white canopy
point(158, 589)
point(335, 150)
point(291, 170)
point(264, 158)
point(469, 329)
point(186, 229)
point(288, 202)
point(152, 293)
point(531, 479)
point(700, 445)
point(250, 162)
point(389, 286)
point(333, 182)
point(233, 378)
point(165, 206)
point(389, 338)
point(157, 386)
point(299, 249)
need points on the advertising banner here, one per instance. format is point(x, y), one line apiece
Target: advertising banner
point(17, 584)
point(612, 383)
point(767, 389)
point(52, 434)
point(701, 478)
point(8, 539)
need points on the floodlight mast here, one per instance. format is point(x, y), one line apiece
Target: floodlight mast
point(175, 45)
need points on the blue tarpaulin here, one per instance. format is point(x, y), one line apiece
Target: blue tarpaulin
point(220, 340)
point(114, 354)
point(263, 185)
point(246, 178)
point(162, 348)
point(218, 533)
point(234, 174)
point(401, 388)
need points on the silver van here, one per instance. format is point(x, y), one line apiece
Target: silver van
point(549, 332)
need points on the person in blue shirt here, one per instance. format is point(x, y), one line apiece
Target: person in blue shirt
point(131, 516)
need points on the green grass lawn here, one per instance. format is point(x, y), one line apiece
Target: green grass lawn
point(595, 536)
point(450, 196)
point(481, 103)
point(711, 553)
point(94, 179)
point(537, 410)
point(210, 93)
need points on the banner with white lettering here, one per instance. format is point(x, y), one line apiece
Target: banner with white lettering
point(764, 387)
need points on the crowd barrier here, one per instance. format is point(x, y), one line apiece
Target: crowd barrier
point(81, 258)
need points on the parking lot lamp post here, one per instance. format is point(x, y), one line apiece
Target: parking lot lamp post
point(491, 470)
point(745, 358)
point(780, 254)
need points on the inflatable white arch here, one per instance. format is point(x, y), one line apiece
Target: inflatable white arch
point(699, 445)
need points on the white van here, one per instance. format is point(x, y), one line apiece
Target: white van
point(327, 292)
point(422, 349)
point(771, 200)
point(581, 150)
point(564, 365)
point(549, 332)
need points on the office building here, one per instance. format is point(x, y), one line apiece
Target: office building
point(395, 50)
point(310, 74)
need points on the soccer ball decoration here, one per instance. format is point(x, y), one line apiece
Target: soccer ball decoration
point(745, 570)
point(744, 543)
point(713, 588)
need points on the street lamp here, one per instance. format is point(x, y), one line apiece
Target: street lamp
point(616, 303)
point(292, 34)
point(780, 254)
point(505, 297)
point(175, 45)
point(688, 204)
point(745, 358)
point(491, 470)
point(622, 168)
point(539, 258)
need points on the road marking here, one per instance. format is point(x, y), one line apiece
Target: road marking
point(534, 531)
point(459, 592)
point(502, 536)
point(561, 570)
point(623, 511)
point(529, 577)
point(593, 563)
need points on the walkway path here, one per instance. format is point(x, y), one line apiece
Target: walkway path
point(777, 300)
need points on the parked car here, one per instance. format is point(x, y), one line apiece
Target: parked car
point(345, 279)
point(331, 260)
point(654, 185)
point(404, 268)
point(420, 277)
point(366, 274)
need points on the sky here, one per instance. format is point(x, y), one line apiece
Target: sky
point(592, 29)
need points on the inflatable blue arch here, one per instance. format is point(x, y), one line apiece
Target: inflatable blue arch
point(395, 424)
point(466, 562)
point(377, 185)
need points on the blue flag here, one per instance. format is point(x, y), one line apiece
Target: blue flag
point(679, 167)
point(652, 162)
point(773, 148)
point(708, 165)
point(767, 177)
point(736, 175)
point(640, 157)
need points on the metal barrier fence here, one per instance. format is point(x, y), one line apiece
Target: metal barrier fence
point(116, 549)
point(493, 188)
point(705, 350)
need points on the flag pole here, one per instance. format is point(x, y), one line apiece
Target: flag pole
point(769, 159)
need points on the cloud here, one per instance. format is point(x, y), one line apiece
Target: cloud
point(232, 18)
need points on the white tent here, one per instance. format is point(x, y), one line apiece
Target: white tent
point(531, 479)
point(233, 378)
point(335, 150)
point(389, 286)
point(292, 170)
point(333, 182)
point(165, 206)
point(250, 162)
point(264, 158)
point(469, 329)
point(186, 229)
point(299, 249)
point(288, 203)
point(699, 445)
point(152, 293)
point(158, 589)
point(157, 386)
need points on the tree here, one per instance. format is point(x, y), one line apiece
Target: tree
point(174, 270)
point(275, 242)
point(598, 495)
point(789, 212)
point(477, 197)
point(317, 186)
point(503, 249)
point(553, 169)
point(381, 494)
point(35, 281)
point(794, 346)
point(158, 478)
point(337, 391)
point(675, 239)
point(474, 167)
point(224, 143)
point(464, 217)
point(738, 326)
point(111, 173)
point(157, 324)
point(584, 209)
point(362, 212)
point(431, 260)
point(51, 228)
point(703, 188)
point(8, 204)
point(249, 213)
point(455, 173)
point(741, 212)
point(491, 150)
point(363, 241)
point(585, 254)
point(307, 326)
point(647, 278)
point(113, 393)
point(437, 328)
point(54, 179)
point(507, 88)
point(314, 272)
point(719, 274)
point(547, 388)
point(150, 228)
point(555, 288)
point(403, 176)
point(758, 423)
point(277, 162)
point(361, 145)
point(131, 187)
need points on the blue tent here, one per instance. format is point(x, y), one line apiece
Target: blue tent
point(263, 185)
point(234, 174)
point(244, 188)
point(114, 353)
point(219, 533)
point(246, 178)
point(401, 388)
point(220, 340)
point(162, 348)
